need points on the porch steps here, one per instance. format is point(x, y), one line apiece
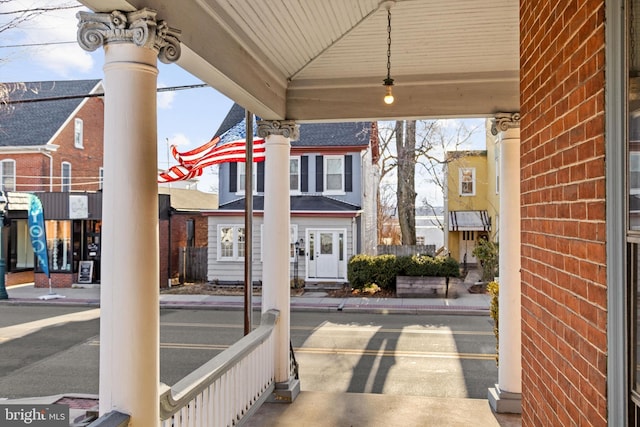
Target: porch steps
point(322, 287)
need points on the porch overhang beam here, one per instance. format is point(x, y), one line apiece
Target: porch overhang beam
point(437, 96)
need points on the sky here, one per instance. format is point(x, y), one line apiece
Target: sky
point(187, 118)
point(45, 49)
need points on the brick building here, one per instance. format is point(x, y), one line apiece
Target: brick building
point(51, 144)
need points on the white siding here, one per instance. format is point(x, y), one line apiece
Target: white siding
point(233, 271)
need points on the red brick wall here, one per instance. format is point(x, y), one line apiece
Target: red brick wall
point(19, 278)
point(164, 252)
point(179, 236)
point(33, 169)
point(58, 280)
point(564, 306)
point(86, 161)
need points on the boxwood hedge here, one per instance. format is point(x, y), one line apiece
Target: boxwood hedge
point(383, 269)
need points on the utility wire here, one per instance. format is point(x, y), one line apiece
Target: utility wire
point(95, 95)
point(34, 44)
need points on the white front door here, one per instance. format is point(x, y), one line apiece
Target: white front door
point(467, 244)
point(327, 254)
point(325, 259)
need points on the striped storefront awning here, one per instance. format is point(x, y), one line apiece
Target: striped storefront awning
point(469, 221)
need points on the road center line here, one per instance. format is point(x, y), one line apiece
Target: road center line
point(341, 351)
point(338, 328)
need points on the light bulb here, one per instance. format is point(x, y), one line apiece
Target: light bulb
point(388, 98)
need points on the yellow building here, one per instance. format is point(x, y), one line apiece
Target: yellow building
point(472, 200)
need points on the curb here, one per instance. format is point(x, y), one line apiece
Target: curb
point(340, 306)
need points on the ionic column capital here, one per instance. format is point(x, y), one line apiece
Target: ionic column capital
point(287, 128)
point(502, 122)
point(139, 27)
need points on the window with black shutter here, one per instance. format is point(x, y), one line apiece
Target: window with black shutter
point(348, 172)
point(319, 174)
point(233, 177)
point(304, 174)
point(260, 183)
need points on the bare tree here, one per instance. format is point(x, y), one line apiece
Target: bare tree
point(388, 228)
point(406, 185)
point(407, 147)
point(16, 14)
point(13, 14)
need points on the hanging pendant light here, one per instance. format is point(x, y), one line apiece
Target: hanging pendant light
point(388, 82)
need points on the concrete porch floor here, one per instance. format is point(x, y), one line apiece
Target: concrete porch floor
point(319, 409)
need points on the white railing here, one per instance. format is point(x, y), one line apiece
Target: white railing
point(229, 387)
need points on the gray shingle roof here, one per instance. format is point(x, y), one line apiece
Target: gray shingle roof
point(34, 123)
point(298, 204)
point(313, 134)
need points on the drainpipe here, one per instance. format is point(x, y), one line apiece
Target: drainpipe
point(355, 244)
point(50, 168)
point(169, 248)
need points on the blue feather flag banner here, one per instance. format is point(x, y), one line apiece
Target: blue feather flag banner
point(229, 147)
point(38, 233)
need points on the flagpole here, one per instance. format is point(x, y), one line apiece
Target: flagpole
point(248, 224)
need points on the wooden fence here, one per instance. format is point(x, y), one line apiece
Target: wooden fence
point(404, 250)
point(193, 264)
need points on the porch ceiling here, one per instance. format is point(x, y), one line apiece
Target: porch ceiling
point(312, 60)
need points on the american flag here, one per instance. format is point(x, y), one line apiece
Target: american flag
point(228, 147)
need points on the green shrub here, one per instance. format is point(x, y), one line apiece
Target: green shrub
point(360, 270)
point(487, 253)
point(404, 264)
point(383, 269)
point(365, 269)
point(494, 290)
point(448, 267)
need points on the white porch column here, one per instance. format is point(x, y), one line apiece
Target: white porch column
point(129, 321)
point(507, 394)
point(276, 292)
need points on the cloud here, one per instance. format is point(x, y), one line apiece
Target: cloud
point(179, 139)
point(66, 61)
point(55, 33)
point(165, 99)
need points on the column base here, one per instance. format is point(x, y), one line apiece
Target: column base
point(285, 392)
point(504, 402)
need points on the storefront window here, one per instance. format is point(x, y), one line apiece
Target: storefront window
point(59, 245)
point(20, 249)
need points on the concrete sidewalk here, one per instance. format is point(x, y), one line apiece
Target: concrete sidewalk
point(311, 409)
point(461, 301)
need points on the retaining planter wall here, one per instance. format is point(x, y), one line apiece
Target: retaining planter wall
point(423, 287)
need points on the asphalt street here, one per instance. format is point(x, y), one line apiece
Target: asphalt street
point(453, 356)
